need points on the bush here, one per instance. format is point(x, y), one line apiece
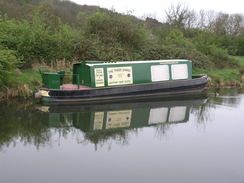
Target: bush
point(93, 48)
point(111, 27)
point(176, 38)
point(155, 52)
point(8, 62)
point(37, 41)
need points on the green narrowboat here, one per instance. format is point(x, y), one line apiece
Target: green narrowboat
point(108, 81)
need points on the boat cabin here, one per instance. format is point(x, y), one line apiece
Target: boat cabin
point(97, 74)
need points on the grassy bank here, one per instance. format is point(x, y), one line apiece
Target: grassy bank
point(239, 60)
point(233, 77)
point(222, 78)
point(21, 84)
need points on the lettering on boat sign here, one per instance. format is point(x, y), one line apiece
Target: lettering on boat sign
point(98, 120)
point(118, 119)
point(119, 75)
point(99, 77)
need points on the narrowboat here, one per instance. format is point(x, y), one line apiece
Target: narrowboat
point(97, 81)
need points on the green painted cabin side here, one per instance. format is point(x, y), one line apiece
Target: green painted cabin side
point(97, 74)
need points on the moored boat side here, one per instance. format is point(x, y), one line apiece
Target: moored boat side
point(127, 92)
point(102, 81)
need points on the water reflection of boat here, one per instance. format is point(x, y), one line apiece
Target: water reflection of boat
point(107, 117)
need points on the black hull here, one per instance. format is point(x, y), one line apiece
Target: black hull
point(127, 92)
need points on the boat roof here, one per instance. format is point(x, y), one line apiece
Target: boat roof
point(94, 63)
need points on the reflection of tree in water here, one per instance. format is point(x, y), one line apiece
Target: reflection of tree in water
point(30, 126)
point(203, 113)
point(22, 123)
point(119, 136)
point(161, 130)
point(19, 123)
point(28, 133)
point(225, 97)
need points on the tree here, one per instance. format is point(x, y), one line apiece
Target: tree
point(221, 24)
point(226, 24)
point(180, 16)
point(206, 19)
point(235, 24)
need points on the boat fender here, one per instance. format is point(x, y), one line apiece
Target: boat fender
point(41, 93)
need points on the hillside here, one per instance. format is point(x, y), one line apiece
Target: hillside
point(66, 10)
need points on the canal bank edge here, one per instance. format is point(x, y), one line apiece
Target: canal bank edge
point(26, 83)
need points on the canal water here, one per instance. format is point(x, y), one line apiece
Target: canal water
point(191, 139)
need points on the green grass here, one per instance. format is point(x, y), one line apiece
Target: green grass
point(29, 77)
point(20, 84)
point(239, 59)
point(223, 74)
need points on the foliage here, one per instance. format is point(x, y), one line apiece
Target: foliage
point(239, 59)
point(115, 28)
point(8, 62)
point(37, 40)
point(109, 36)
point(156, 52)
point(46, 31)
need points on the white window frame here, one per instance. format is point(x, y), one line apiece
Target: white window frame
point(156, 75)
point(176, 71)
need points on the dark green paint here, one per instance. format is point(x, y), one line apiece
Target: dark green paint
point(141, 71)
point(51, 80)
point(82, 72)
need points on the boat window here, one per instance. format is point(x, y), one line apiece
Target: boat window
point(160, 72)
point(177, 114)
point(179, 71)
point(158, 115)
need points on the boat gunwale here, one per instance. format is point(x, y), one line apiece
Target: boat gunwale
point(182, 90)
point(105, 99)
point(201, 76)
